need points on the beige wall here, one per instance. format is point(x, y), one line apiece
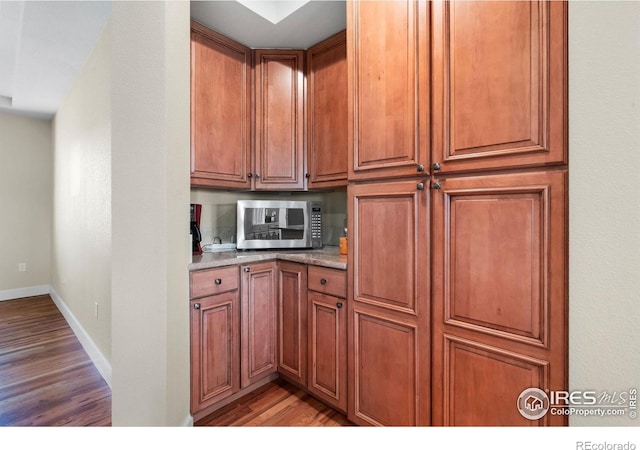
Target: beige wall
point(81, 245)
point(150, 45)
point(604, 200)
point(25, 204)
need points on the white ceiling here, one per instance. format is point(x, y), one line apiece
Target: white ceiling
point(308, 22)
point(43, 44)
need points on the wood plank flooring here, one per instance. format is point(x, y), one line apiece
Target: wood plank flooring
point(276, 404)
point(46, 377)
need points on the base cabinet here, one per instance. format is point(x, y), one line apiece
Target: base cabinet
point(215, 349)
point(328, 348)
point(292, 322)
point(258, 332)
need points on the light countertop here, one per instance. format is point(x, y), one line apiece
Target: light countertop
point(326, 257)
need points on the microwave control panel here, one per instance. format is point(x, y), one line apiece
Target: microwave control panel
point(316, 225)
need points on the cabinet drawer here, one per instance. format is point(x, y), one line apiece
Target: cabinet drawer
point(214, 281)
point(327, 281)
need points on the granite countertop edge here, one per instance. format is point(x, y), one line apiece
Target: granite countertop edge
point(326, 257)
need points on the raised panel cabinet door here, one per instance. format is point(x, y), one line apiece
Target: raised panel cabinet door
point(259, 321)
point(279, 110)
point(328, 349)
point(388, 368)
point(215, 349)
point(389, 303)
point(292, 321)
point(327, 143)
point(388, 88)
point(499, 84)
point(220, 110)
point(499, 294)
point(389, 245)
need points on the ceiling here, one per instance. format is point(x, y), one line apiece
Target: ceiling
point(44, 44)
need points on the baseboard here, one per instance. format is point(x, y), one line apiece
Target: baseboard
point(188, 422)
point(101, 363)
point(12, 294)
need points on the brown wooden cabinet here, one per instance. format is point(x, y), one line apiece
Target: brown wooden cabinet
point(327, 144)
point(388, 79)
point(259, 321)
point(220, 110)
point(499, 84)
point(215, 336)
point(499, 295)
point(388, 303)
point(279, 116)
point(292, 322)
point(328, 336)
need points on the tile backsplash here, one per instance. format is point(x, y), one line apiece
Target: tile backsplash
point(218, 218)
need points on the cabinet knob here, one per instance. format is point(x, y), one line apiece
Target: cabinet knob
point(436, 185)
point(196, 306)
point(307, 175)
point(218, 281)
point(247, 269)
point(339, 305)
point(420, 168)
point(323, 281)
point(436, 166)
point(420, 186)
point(249, 175)
point(257, 175)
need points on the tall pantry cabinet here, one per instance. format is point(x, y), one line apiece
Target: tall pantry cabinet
point(458, 201)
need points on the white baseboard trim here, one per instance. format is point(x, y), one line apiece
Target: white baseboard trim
point(101, 363)
point(188, 421)
point(12, 294)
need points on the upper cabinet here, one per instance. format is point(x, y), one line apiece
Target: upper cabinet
point(327, 145)
point(499, 85)
point(388, 78)
point(250, 113)
point(220, 110)
point(279, 134)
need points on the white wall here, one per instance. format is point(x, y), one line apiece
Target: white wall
point(604, 200)
point(25, 205)
point(81, 245)
point(150, 44)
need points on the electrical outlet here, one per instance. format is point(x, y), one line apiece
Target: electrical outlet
point(22, 267)
point(95, 309)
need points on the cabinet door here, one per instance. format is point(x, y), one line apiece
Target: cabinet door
point(328, 349)
point(259, 319)
point(220, 110)
point(388, 289)
point(499, 84)
point(499, 295)
point(327, 144)
point(388, 82)
point(292, 321)
point(279, 138)
point(215, 349)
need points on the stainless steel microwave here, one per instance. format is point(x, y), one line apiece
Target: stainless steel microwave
point(264, 224)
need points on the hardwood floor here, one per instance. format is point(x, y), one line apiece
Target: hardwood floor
point(46, 377)
point(276, 404)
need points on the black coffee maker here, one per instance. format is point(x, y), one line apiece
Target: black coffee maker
point(196, 237)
